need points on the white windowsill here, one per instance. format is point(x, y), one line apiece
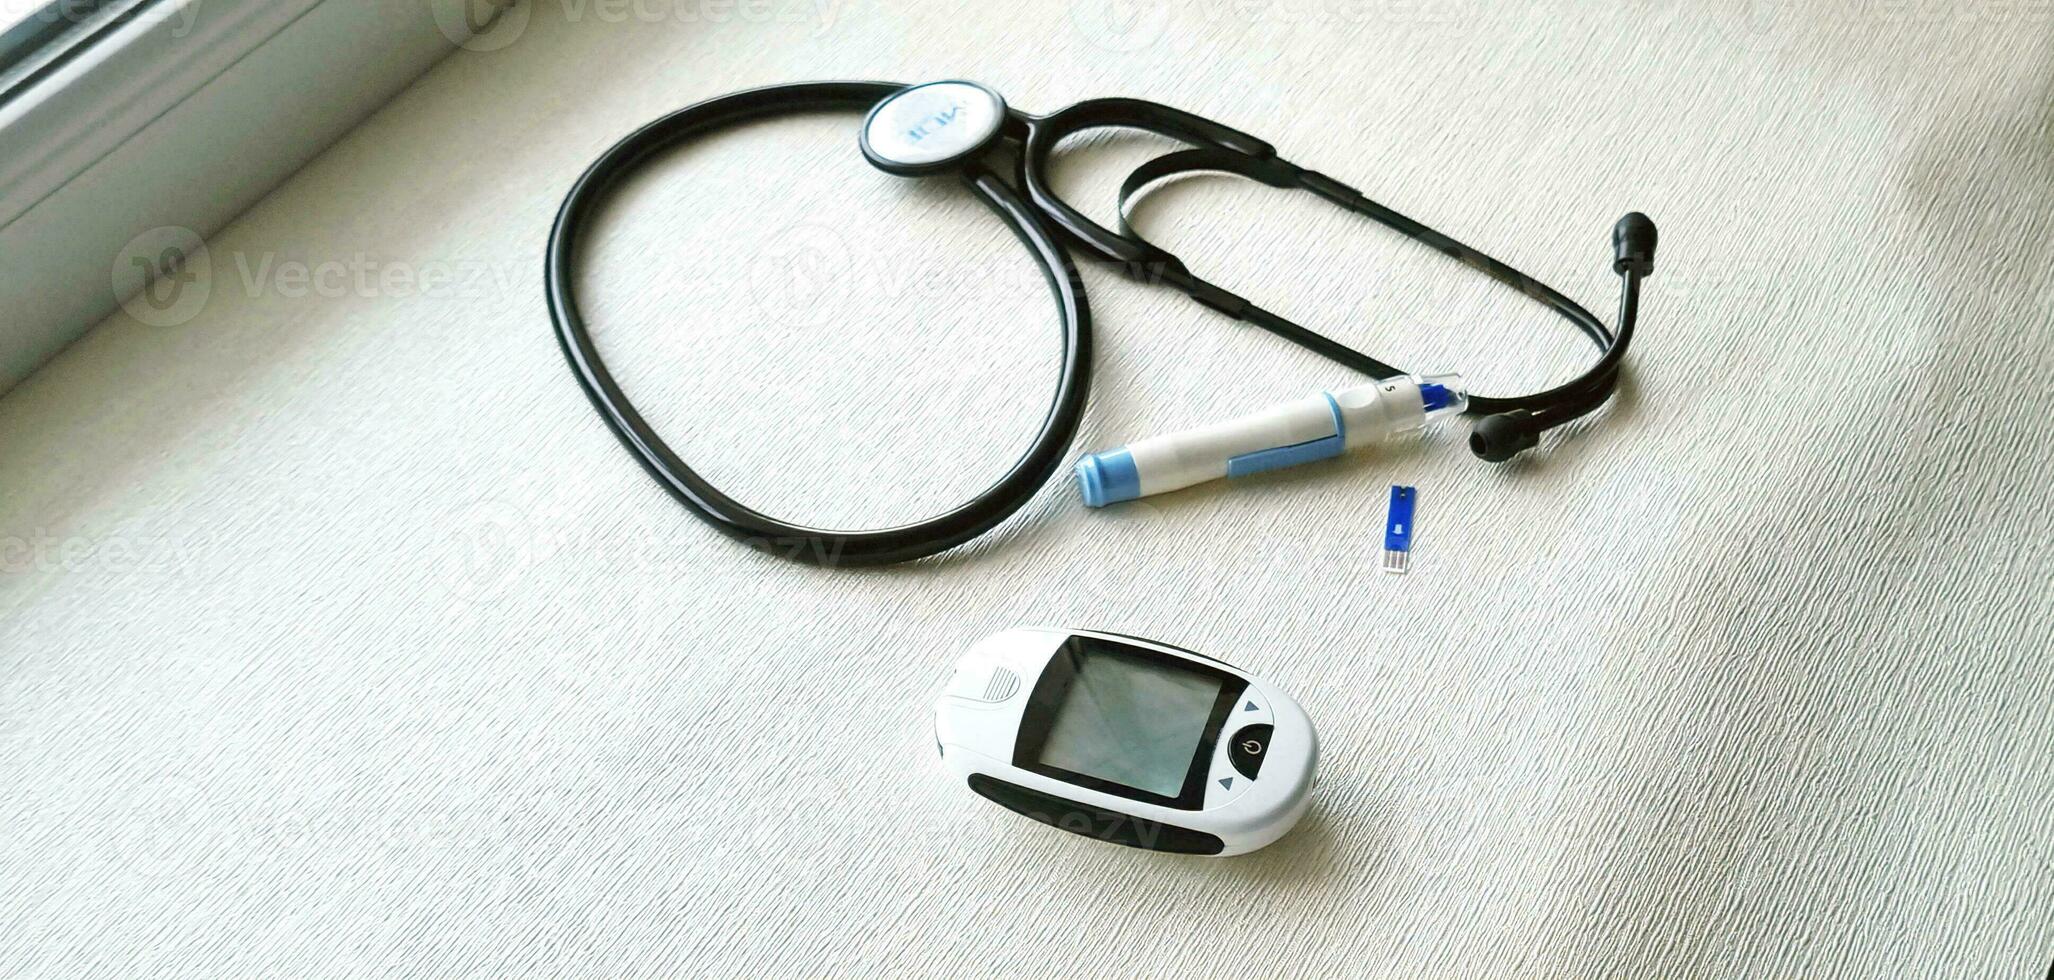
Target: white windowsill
point(179, 118)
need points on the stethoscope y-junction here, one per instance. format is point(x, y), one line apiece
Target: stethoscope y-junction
point(953, 127)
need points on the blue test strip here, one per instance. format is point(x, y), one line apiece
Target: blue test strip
point(1398, 530)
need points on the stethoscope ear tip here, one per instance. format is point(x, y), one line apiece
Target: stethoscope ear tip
point(1633, 244)
point(1497, 438)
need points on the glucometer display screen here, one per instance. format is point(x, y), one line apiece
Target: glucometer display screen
point(1129, 720)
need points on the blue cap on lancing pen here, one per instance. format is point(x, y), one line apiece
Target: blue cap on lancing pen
point(1108, 478)
point(1434, 396)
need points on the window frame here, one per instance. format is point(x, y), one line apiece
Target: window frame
point(38, 43)
point(92, 135)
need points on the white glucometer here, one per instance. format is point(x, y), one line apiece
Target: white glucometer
point(1127, 740)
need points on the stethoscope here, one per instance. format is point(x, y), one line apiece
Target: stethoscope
point(951, 127)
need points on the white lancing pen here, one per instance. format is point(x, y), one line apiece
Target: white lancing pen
point(1317, 427)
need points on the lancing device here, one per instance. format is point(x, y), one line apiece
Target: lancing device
point(1318, 427)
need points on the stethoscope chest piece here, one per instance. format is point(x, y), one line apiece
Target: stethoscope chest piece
point(932, 127)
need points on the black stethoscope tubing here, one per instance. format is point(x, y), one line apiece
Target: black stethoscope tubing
point(1516, 422)
point(819, 546)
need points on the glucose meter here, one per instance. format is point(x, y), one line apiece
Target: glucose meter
point(1127, 740)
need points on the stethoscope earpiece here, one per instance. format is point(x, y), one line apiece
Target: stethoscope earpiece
point(1633, 244)
point(1497, 438)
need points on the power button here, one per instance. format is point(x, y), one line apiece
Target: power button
point(1248, 747)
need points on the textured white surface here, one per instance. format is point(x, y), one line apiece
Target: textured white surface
point(340, 638)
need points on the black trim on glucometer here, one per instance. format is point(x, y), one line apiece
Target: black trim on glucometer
point(1086, 820)
point(1172, 646)
point(1053, 687)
